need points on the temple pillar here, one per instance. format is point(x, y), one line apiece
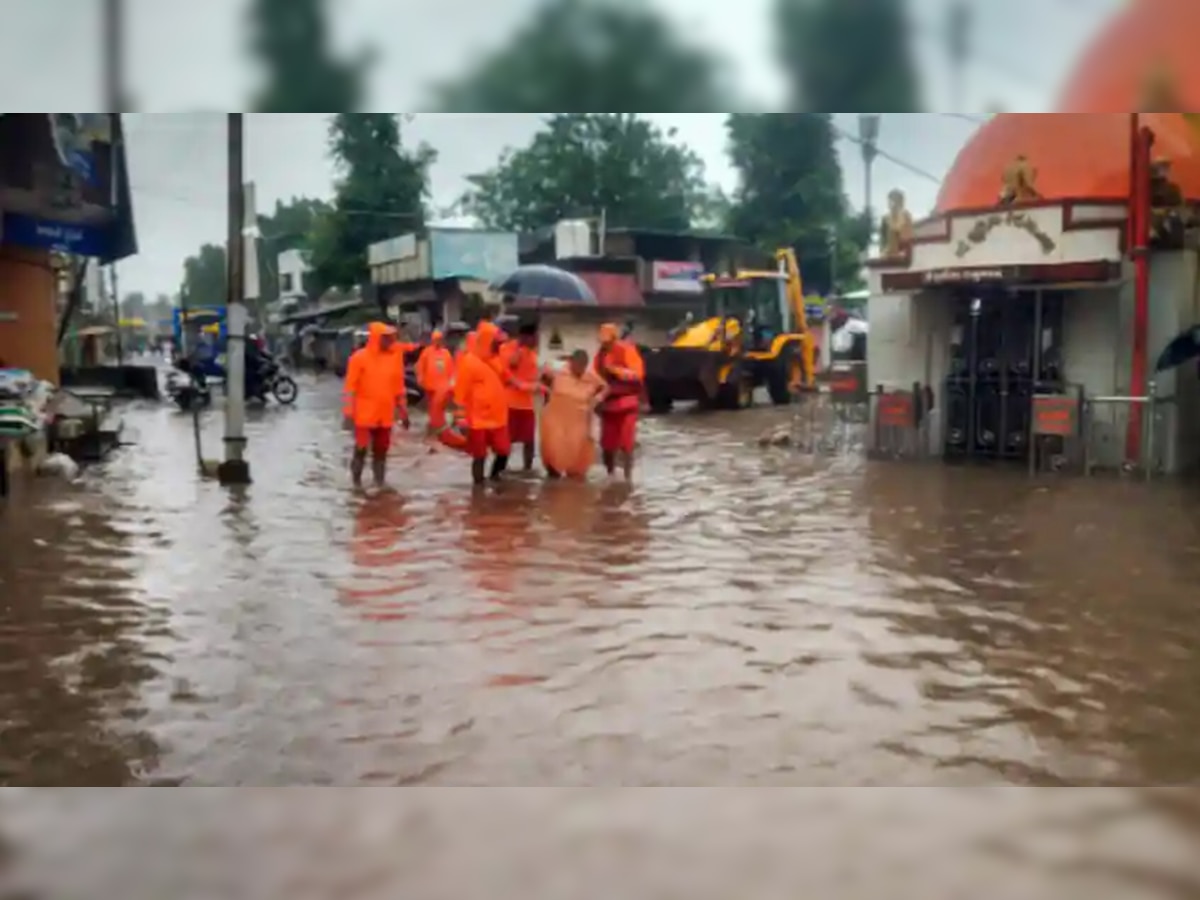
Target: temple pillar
point(28, 318)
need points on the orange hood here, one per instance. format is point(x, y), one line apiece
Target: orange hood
point(375, 334)
point(486, 336)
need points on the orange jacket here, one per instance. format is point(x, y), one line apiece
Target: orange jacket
point(374, 389)
point(623, 370)
point(478, 386)
point(435, 369)
point(522, 374)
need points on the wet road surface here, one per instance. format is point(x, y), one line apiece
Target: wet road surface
point(738, 617)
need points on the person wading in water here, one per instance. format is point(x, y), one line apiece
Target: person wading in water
point(374, 399)
point(620, 366)
point(519, 365)
point(566, 427)
point(480, 392)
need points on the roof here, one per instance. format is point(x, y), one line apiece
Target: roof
point(685, 235)
point(1148, 40)
point(1077, 157)
point(311, 315)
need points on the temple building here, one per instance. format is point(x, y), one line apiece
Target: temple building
point(1060, 261)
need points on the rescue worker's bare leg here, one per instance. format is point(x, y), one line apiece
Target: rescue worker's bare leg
point(379, 468)
point(478, 470)
point(626, 460)
point(610, 461)
point(530, 451)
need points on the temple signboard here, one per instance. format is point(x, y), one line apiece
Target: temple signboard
point(1055, 415)
point(1012, 218)
point(1091, 272)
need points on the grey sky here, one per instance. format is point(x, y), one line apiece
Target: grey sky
point(186, 56)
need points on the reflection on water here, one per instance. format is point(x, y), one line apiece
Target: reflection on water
point(735, 617)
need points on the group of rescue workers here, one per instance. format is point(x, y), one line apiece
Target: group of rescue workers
point(482, 399)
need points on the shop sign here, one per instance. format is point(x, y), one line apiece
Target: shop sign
point(964, 276)
point(1019, 219)
point(1055, 415)
point(677, 277)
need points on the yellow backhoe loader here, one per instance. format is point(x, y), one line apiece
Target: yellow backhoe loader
point(754, 334)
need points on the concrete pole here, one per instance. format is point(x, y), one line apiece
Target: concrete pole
point(116, 97)
point(868, 140)
point(235, 470)
point(116, 305)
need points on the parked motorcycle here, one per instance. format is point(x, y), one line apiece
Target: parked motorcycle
point(188, 387)
point(277, 383)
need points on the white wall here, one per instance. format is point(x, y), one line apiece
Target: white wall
point(291, 263)
point(579, 331)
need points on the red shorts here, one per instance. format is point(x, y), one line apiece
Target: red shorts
point(377, 440)
point(618, 431)
point(481, 441)
point(522, 426)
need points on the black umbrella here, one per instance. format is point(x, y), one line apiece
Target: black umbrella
point(1182, 349)
point(546, 284)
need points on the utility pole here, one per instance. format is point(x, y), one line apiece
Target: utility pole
point(113, 55)
point(235, 470)
point(868, 140)
point(958, 27)
point(116, 306)
point(832, 241)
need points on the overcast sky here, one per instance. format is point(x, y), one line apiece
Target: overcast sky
point(185, 56)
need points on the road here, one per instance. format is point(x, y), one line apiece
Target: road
point(737, 617)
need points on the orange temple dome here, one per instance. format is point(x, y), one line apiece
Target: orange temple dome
point(1074, 157)
point(1147, 48)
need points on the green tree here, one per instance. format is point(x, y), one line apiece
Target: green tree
point(290, 40)
point(790, 194)
point(848, 55)
point(380, 193)
point(594, 54)
point(583, 163)
point(290, 227)
point(205, 277)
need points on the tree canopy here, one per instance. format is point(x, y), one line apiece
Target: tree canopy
point(582, 164)
point(790, 193)
point(847, 55)
point(205, 277)
point(291, 42)
point(380, 192)
point(595, 54)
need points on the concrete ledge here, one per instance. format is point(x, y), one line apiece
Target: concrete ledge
point(126, 381)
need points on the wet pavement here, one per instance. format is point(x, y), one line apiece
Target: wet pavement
point(737, 617)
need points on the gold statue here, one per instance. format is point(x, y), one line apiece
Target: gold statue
point(1019, 179)
point(896, 230)
point(1170, 216)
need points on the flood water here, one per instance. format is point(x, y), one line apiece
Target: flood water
point(738, 617)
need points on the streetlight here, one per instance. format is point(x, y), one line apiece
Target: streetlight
point(868, 140)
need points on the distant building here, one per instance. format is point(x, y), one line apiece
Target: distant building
point(644, 279)
point(293, 269)
point(440, 275)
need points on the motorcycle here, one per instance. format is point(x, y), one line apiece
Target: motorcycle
point(188, 384)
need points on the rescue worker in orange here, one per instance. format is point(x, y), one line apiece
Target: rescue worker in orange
point(480, 391)
point(374, 400)
point(620, 366)
point(522, 373)
point(435, 368)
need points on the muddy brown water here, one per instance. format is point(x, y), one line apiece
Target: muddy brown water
point(738, 617)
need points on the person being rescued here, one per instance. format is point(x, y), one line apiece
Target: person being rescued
point(374, 400)
point(566, 427)
point(619, 364)
point(480, 391)
point(519, 366)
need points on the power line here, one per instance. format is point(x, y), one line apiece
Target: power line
point(893, 159)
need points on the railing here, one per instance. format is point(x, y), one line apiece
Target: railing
point(1106, 425)
point(832, 419)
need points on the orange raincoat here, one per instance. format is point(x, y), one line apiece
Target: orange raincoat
point(566, 427)
point(519, 365)
point(374, 389)
point(435, 368)
point(478, 386)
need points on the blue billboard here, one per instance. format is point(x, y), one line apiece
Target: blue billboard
point(482, 255)
point(63, 184)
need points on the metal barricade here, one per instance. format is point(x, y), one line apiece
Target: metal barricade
point(1105, 430)
point(831, 419)
point(900, 423)
point(1056, 441)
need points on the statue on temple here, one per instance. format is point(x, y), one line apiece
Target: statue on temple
point(1019, 182)
point(896, 229)
point(1170, 215)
